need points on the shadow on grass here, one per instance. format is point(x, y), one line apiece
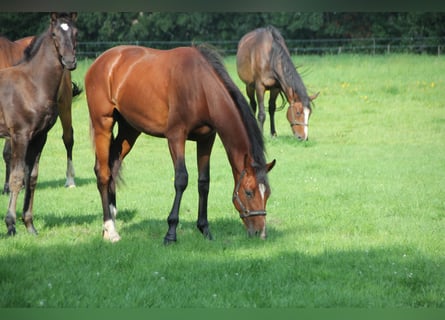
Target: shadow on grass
point(222, 229)
point(60, 183)
point(141, 274)
point(54, 221)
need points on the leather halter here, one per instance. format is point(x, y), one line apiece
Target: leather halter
point(245, 212)
point(295, 122)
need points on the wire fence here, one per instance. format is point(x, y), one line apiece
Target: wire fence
point(424, 45)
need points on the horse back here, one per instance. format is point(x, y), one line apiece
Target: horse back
point(10, 52)
point(152, 89)
point(253, 56)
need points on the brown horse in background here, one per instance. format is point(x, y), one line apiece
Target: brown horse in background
point(11, 53)
point(179, 94)
point(28, 108)
point(264, 63)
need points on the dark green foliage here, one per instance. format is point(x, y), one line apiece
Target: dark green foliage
point(230, 26)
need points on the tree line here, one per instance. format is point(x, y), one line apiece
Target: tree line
point(231, 26)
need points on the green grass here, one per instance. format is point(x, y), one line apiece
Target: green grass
point(356, 217)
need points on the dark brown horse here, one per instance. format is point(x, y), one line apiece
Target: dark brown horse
point(179, 94)
point(264, 63)
point(28, 108)
point(11, 53)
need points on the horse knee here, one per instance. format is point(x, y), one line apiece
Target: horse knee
point(261, 117)
point(181, 180)
point(203, 186)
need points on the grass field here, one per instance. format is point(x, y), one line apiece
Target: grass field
point(356, 217)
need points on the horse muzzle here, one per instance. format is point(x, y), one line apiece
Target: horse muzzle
point(251, 231)
point(69, 62)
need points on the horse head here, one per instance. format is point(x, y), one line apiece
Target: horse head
point(64, 34)
point(250, 196)
point(298, 117)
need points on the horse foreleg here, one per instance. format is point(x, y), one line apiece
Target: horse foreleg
point(15, 183)
point(7, 159)
point(204, 148)
point(272, 107)
point(31, 173)
point(181, 180)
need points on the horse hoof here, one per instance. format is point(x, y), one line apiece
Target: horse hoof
point(32, 230)
point(70, 185)
point(208, 236)
point(111, 236)
point(11, 231)
point(169, 241)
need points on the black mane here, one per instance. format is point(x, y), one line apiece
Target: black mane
point(250, 123)
point(290, 74)
point(31, 50)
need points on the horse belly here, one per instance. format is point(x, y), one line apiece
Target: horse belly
point(144, 115)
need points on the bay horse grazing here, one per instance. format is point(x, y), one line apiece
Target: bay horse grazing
point(179, 94)
point(11, 53)
point(264, 63)
point(28, 108)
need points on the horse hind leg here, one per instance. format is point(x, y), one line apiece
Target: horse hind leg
point(7, 154)
point(250, 90)
point(260, 89)
point(119, 148)
point(68, 141)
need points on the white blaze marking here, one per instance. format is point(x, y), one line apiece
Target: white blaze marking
point(64, 26)
point(262, 188)
point(306, 112)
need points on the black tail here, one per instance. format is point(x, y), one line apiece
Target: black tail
point(77, 90)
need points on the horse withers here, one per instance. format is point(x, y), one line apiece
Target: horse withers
point(264, 63)
point(28, 108)
point(179, 94)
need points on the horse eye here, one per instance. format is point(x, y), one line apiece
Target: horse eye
point(249, 194)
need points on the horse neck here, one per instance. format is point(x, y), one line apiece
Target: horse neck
point(45, 65)
point(284, 84)
point(234, 137)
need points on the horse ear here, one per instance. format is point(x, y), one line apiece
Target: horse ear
point(73, 16)
point(54, 16)
point(270, 165)
point(313, 97)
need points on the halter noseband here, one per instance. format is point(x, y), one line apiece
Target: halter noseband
point(297, 123)
point(245, 212)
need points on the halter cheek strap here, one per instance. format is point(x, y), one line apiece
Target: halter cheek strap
point(245, 212)
point(294, 122)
